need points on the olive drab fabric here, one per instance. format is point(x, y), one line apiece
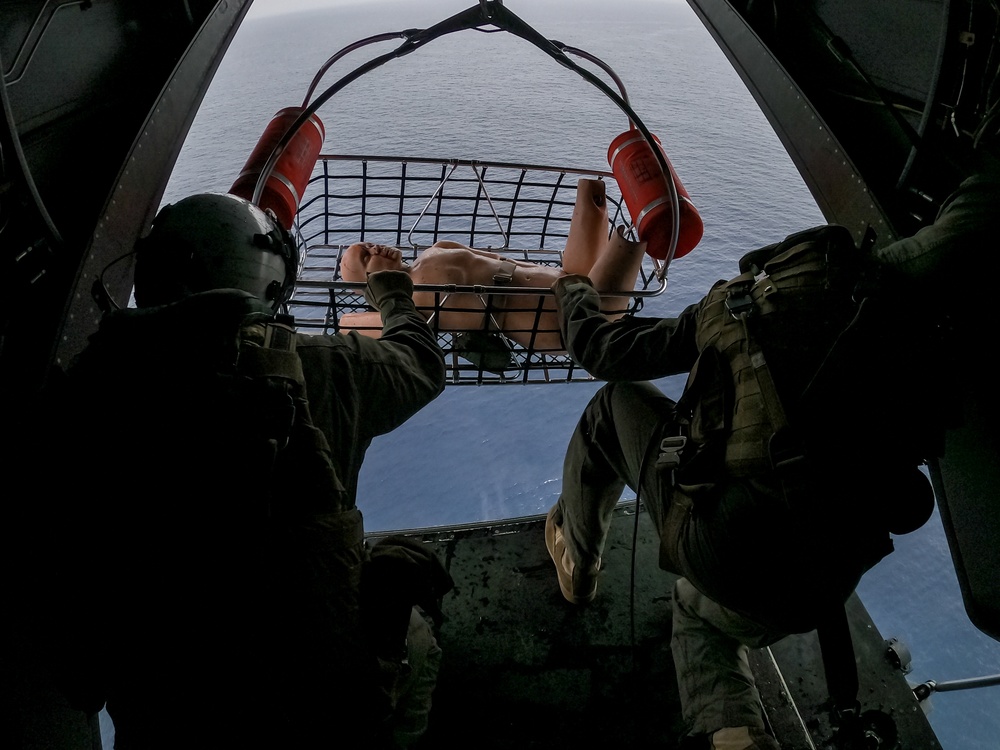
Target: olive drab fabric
point(212, 572)
point(765, 333)
point(775, 479)
point(800, 377)
point(401, 575)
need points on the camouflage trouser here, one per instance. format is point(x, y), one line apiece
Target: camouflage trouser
point(710, 645)
point(616, 441)
point(413, 701)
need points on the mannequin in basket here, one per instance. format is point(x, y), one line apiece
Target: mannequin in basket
point(612, 264)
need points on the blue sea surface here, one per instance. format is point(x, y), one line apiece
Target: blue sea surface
point(489, 453)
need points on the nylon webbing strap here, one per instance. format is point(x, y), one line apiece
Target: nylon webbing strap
point(839, 665)
point(504, 274)
point(785, 452)
point(274, 356)
point(761, 371)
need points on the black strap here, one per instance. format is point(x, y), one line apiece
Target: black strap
point(841, 670)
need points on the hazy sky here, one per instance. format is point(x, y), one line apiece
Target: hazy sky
point(261, 8)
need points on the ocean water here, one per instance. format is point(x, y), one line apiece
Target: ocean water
point(489, 453)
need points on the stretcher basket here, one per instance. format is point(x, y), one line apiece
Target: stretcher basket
point(520, 211)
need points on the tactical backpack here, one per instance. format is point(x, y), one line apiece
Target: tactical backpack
point(799, 377)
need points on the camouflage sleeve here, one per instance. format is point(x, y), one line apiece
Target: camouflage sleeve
point(955, 245)
point(631, 348)
point(405, 365)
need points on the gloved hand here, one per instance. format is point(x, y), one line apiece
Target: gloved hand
point(564, 283)
point(383, 284)
point(570, 278)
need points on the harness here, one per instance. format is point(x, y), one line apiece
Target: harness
point(762, 337)
point(267, 357)
point(317, 549)
point(365, 597)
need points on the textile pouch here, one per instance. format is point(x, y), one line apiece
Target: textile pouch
point(677, 506)
point(487, 350)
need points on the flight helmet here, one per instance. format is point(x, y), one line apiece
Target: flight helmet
point(215, 241)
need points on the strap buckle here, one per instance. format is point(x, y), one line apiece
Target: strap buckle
point(670, 452)
point(504, 274)
point(785, 451)
point(279, 334)
point(739, 302)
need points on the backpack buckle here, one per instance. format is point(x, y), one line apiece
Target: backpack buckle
point(279, 334)
point(670, 452)
point(739, 303)
point(785, 452)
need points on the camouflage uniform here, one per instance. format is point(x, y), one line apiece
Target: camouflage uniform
point(212, 587)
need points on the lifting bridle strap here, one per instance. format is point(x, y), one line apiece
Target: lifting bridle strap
point(504, 275)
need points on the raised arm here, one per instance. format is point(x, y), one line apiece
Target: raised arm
point(631, 348)
point(410, 365)
point(377, 384)
point(949, 252)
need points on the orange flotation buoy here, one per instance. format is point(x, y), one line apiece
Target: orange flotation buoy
point(288, 179)
point(644, 188)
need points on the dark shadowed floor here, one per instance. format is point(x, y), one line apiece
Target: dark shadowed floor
point(522, 668)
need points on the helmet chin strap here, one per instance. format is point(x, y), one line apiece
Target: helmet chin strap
point(99, 289)
point(279, 240)
point(274, 293)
